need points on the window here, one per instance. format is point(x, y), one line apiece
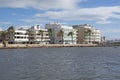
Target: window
point(46, 34)
point(60, 41)
point(18, 37)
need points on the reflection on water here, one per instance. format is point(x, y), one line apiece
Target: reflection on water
point(86, 63)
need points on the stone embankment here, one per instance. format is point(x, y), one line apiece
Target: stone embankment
point(45, 45)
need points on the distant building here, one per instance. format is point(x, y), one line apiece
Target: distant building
point(115, 42)
point(58, 29)
point(87, 34)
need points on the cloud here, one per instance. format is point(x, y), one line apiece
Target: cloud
point(67, 10)
point(14, 14)
point(112, 33)
point(34, 21)
point(98, 14)
point(5, 23)
point(40, 4)
point(103, 22)
point(113, 30)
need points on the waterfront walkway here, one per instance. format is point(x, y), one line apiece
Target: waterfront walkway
point(45, 45)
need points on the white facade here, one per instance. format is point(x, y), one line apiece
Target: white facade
point(38, 37)
point(56, 27)
point(84, 36)
point(21, 35)
point(95, 35)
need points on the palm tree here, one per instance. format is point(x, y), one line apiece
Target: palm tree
point(61, 34)
point(11, 30)
point(41, 32)
point(88, 33)
point(50, 34)
point(30, 35)
point(104, 38)
point(2, 35)
point(71, 34)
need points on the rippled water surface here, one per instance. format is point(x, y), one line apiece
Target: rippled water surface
point(80, 63)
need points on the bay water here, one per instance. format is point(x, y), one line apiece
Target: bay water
point(67, 63)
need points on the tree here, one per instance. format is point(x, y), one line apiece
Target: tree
point(50, 32)
point(30, 35)
point(11, 30)
point(61, 34)
point(3, 35)
point(41, 32)
point(71, 34)
point(104, 38)
point(0, 36)
point(88, 33)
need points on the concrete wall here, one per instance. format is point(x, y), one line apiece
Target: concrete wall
point(23, 45)
point(46, 45)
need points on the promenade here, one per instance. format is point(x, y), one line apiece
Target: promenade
point(45, 45)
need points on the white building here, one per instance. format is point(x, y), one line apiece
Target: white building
point(96, 35)
point(40, 37)
point(62, 39)
point(29, 35)
point(19, 36)
point(85, 36)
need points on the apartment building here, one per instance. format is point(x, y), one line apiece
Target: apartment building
point(60, 33)
point(40, 36)
point(19, 36)
point(87, 34)
point(30, 35)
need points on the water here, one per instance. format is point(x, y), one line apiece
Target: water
point(81, 63)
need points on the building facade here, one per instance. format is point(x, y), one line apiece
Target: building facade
point(40, 36)
point(56, 33)
point(30, 35)
point(19, 36)
point(60, 33)
point(87, 34)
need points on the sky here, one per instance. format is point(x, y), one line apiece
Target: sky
point(101, 14)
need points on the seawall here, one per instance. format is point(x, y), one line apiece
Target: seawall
point(45, 45)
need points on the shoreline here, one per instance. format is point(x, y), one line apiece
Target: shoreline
point(17, 46)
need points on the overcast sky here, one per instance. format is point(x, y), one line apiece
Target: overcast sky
point(102, 14)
